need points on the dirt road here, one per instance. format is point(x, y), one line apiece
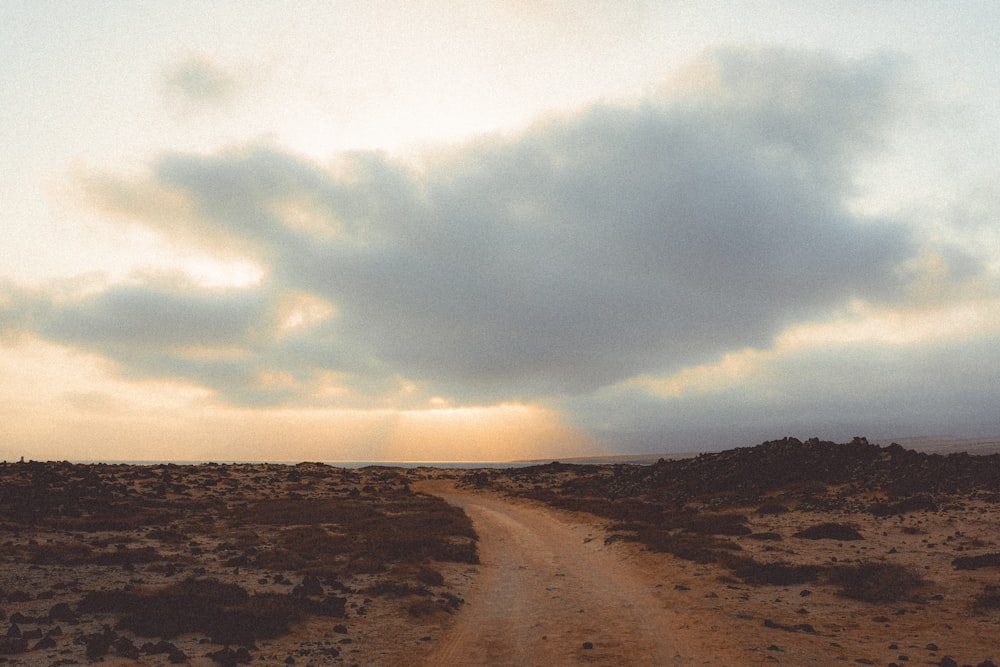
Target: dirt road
point(549, 592)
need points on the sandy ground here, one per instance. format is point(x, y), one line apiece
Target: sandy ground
point(549, 592)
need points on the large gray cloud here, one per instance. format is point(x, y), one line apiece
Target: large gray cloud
point(587, 248)
point(935, 389)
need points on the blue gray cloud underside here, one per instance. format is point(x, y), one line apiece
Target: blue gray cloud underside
point(576, 253)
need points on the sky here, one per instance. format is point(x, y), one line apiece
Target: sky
point(485, 231)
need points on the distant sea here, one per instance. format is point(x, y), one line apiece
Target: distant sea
point(465, 465)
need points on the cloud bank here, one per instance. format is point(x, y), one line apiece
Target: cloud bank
point(553, 263)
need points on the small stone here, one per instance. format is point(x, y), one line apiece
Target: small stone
point(588, 645)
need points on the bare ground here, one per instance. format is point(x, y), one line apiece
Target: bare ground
point(550, 592)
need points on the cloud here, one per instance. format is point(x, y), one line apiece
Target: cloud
point(879, 391)
point(196, 83)
point(568, 257)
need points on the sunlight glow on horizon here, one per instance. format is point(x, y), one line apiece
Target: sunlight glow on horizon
point(160, 420)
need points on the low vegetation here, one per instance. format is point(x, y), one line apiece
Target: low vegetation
point(696, 508)
point(237, 553)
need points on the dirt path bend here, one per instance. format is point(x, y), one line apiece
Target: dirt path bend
point(549, 592)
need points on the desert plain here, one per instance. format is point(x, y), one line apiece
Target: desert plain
point(789, 552)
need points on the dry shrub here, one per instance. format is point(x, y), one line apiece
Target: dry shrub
point(772, 508)
point(920, 502)
point(876, 582)
point(128, 556)
point(305, 511)
point(224, 612)
point(430, 577)
point(976, 562)
point(370, 535)
point(278, 559)
point(773, 574)
point(987, 601)
point(61, 553)
point(765, 537)
point(167, 535)
point(829, 531)
point(687, 546)
point(396, 589)
point(718, 524)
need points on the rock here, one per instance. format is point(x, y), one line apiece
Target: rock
point(948, 661)
point(44, 644)
point(588, 645)
point(931, 647)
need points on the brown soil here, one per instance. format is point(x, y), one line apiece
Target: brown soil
point(668, 565)
point(549, 592)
